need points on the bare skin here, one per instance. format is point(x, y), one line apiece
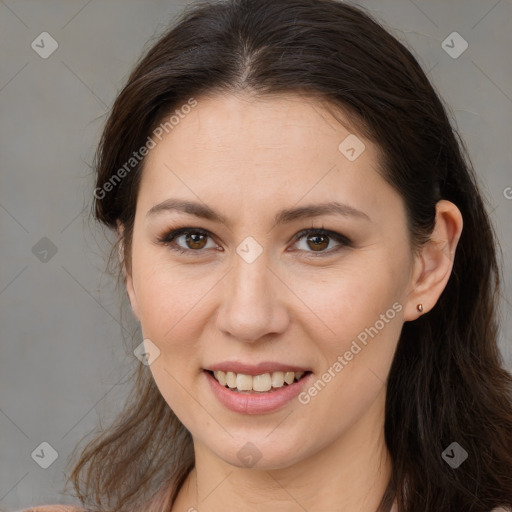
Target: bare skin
point(247, 159)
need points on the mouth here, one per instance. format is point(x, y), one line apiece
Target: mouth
point(257, 384)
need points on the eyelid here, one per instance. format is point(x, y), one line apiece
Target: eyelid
point(170, 235)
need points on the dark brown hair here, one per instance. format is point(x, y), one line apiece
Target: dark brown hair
point(447, 382)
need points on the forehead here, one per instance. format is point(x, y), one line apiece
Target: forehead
point(231, 122)
point(252, 151)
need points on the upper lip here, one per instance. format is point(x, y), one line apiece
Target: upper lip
point(255, 369)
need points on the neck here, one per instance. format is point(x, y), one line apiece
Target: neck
point(350, 474)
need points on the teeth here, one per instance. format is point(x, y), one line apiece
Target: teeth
point(221, 377)
point(230, 379)
point(288, 377)
point(277, 379)
point(261, 383)
point(243, 382)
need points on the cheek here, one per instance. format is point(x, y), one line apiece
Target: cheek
point(347, 299)
point(356, 325)
point(171, 301)
point(362, 310)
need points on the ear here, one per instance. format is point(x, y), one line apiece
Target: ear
point(434, 262)
point(127, 276)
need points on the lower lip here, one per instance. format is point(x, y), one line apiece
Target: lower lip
point(255, 403)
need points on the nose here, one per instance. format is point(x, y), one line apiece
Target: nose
point(253, 301)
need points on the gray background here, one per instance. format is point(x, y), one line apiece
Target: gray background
point(62, 358)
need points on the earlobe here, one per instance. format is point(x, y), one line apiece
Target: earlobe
point(434, 262)
point(127, 277)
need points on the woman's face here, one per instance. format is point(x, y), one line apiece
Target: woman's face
point(246, 292)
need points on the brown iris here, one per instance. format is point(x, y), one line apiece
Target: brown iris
point(198, 240)
point(318, 245)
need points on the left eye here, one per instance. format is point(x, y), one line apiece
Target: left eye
point(196, 239)
point(318, 240)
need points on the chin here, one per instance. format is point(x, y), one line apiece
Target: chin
point(260, 453)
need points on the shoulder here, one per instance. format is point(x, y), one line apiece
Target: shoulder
point(53, 508)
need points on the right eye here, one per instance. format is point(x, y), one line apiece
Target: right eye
point(194, 240)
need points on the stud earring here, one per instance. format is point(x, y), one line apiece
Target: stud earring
point(419, 307)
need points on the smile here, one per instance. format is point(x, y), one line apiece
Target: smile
point(256, 383)
point(256, 394)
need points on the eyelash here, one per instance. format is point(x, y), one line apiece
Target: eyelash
point(170, 236)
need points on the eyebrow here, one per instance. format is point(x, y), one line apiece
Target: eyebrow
point(283, 217)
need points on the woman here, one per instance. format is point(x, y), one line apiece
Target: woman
point(305, 247)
